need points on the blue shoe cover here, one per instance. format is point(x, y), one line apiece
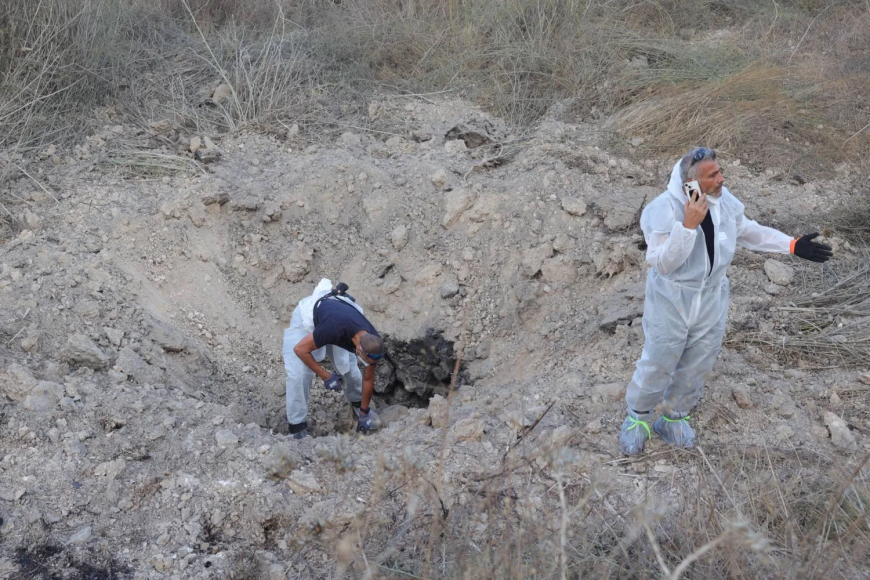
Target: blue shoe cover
point(675, 430)
point(634, 433)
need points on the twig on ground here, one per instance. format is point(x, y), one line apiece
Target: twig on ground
point(521, 436)
point(656, 549)
point(36, 181)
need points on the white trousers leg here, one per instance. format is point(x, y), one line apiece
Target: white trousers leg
point(677, 356)
point(299, 377)
point(352, 378)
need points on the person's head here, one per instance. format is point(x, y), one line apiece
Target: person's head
point(700, 164)
point(370, 348)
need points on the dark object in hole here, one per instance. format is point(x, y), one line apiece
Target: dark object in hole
point(415, 370)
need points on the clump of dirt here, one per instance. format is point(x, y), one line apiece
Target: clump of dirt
point(141, 374)
point(419, 368)
point(54, 562)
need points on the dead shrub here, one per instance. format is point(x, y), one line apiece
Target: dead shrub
point(660, 67)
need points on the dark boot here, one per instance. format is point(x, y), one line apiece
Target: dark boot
point(299, 430)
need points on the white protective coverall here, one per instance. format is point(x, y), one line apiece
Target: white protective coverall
point(299, 376)
point(686, 302)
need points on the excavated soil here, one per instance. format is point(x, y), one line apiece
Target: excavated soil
point(142, 311)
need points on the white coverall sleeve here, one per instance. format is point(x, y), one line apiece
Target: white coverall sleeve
point(753, 236)
point(667, 251)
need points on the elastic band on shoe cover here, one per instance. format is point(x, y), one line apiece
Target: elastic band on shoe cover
point(636, 422)
point(686, 418)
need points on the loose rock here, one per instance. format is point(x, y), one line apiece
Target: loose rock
point(303, 483)
point(742, 397)
point(17, 382)
point(594, 426)
point(468, 429)
point(533, 259)
point(281, 461)
point(449, 290)
point(111, 469)
point(114, 335)
point(131, 364)
point(784, 432)
point(778, 273)
point(351, 139)
point(399, 237)
point(841, 436)
point(169, 338)
point(197, 214)
point(574, 206)
point(440, 178)
point(226, 438)
point(44, 396)
point(455, 146)
point(563, 243)
point(559, 269)
point(81, 536)
point(609, 392)
point(438, 411)
point(819, 432)
point(298, 263)
point(221, 94)
point(82, 350)
point(455, 203)
point(207, 156)
point(392, 282)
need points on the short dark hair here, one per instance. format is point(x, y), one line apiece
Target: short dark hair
point(372, 343)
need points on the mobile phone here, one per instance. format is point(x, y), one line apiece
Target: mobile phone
point(692, 189)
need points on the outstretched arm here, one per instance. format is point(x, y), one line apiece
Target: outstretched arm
point(754, 236)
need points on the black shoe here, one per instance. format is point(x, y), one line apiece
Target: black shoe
point(299, 430)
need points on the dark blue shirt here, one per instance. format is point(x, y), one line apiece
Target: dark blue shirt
point(707, 227)
point(337, 323)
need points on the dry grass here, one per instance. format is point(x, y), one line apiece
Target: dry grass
point(737, 512)
point(830, 324)
point(731, 111)
point(738, 75)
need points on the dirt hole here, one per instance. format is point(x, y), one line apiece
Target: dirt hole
point(415, 370)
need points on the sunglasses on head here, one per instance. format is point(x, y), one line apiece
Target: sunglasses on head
point(372, 356)
point(699, 154)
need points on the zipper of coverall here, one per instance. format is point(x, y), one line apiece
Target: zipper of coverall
point(696, 302)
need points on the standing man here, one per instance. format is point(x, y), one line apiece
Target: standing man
point(330, 323)
point(691, 237)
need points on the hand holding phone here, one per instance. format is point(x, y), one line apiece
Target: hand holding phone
point(692, 189)
point(695, 208)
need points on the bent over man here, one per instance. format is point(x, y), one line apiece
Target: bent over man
point(691, 231)
point(329, 323)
